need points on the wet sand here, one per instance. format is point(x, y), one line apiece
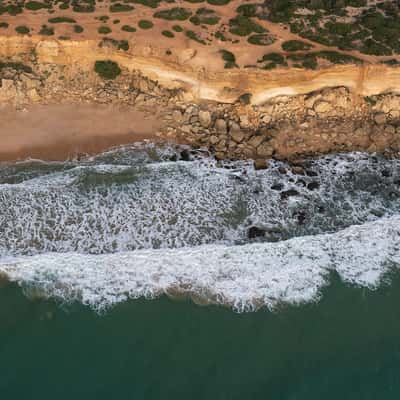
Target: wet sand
point(58, 132)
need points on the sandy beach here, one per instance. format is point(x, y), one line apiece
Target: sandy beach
point(57, 132)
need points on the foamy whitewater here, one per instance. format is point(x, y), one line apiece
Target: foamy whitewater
point(143, 221)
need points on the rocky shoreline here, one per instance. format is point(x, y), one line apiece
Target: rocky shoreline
point(332, 119)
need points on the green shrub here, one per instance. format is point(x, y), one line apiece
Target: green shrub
point(261, 39)
point(116, 21)
point(16, 66)
point(243, 26)
point(22, 29)
point(274, 57)
point(46, 30)
point(193, 35)
point(64, 37)
point(118, 7)
point(84, 8)
point(296, 45)
point(145, 24)
point(64, 6)
point(204, 16)
point(104, 30)
point(4, 25)
point(245, 98)
point(247, 10)
point(35, 5)
point(58, 20)
point(107, 69)
point(168, 34)
point(78, 29)
point(177, 28)
point(128, 28)
point(218, 2)
point(147, 3)
point(229, 58)
point(174, 14)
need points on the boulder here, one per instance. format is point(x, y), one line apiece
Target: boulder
point(220, 126)
point(255, 141)
point(237, 136)
point(380, 118)
point(205, 118)
point(265, 150)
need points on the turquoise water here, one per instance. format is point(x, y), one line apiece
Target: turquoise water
point(345, 347)
point(152, 272)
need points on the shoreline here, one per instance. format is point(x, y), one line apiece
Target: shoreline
point(59, 132)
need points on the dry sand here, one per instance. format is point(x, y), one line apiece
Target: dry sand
point(57, 132)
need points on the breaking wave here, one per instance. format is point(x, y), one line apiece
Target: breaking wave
point(143, 221)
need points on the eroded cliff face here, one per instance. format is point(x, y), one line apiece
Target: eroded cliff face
point(238, 113)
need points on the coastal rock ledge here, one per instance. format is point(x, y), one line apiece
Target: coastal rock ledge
point(337, 109)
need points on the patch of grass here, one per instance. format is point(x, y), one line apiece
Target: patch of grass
point(78, 29)
point(174, 14)
point(145, 24)
point(107, 69)
point(59, 20)
point(128, 28)
point(46, 30)
point(296, 45)
point(22, 29)
point(119, 7)
point(261, 39)
point(104, 30)
point(168, 34)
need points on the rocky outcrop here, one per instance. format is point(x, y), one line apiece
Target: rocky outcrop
point(282, 124)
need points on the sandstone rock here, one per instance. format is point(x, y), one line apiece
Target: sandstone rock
point(322, 107)
point(264, 150)
point(177, 116)
point(380, 118)
point(220, 126)
point(237, 136)
point(255, 141)
point(391, 130)
point(260, 163)
point(214, 139)
point(33, 95)
point(233, 127)
point(244, 122)
point(205, 118)
point(7, 90)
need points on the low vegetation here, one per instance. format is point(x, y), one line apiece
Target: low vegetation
point(107, 69)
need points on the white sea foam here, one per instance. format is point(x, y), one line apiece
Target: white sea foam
point(242, 277)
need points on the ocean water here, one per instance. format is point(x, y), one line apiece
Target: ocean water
point(139, 273)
